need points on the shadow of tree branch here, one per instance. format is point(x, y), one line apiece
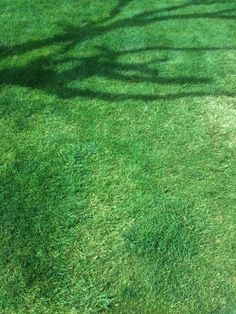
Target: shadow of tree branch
point(41, 73)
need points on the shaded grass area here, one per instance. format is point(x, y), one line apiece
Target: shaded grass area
point(117, 156)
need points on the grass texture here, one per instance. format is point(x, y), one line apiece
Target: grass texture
point(117, 156)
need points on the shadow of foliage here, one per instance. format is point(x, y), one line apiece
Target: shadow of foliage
point(41, 73)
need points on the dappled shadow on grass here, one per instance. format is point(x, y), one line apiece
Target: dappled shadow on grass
point(74, 35)
point(41, 73)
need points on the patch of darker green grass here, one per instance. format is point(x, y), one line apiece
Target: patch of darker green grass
point(172, 241)
point(40, 187)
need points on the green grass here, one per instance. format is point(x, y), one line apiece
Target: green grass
point(118, 123)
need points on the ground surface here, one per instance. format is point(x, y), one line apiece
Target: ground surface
point(118, 123)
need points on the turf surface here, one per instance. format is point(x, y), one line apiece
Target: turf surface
point(118, 123)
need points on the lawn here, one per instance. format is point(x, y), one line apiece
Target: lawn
point(117, 156)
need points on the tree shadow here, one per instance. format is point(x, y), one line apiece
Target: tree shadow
point(73, 35)
point(41, 73)
point(119, 8)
